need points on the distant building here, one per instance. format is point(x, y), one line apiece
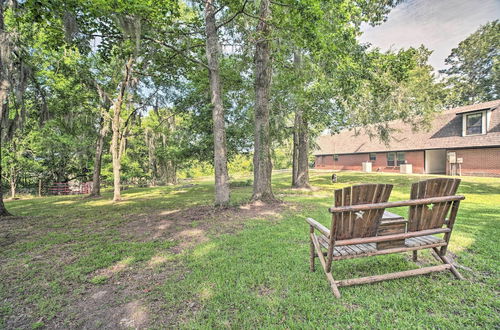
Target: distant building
point(464, 139)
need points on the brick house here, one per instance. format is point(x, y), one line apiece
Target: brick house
point(464, 140)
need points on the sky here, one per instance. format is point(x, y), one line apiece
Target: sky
point(438, 24)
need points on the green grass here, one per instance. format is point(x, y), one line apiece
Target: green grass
point(253, 277)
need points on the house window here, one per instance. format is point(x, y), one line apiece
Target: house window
point(474, 123)
point(373, 156)
point(335, 157)
point(395, 158)
point(401, 158)
point(390, 158)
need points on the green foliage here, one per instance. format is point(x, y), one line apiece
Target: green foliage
point(474, 67)
point(398, 85)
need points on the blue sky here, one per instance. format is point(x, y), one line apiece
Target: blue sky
point(438, 24)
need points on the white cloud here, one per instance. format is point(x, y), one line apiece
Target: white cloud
point(438, 24)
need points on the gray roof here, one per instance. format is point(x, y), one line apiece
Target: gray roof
point(445, 132)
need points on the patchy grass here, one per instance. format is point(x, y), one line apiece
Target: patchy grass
point(164, 258)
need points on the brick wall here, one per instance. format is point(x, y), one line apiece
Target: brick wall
point(353, 162)
point(480, 162)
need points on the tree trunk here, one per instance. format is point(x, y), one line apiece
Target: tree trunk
point(297, 62)
point(96, 178)
point(3, 209)
point(13, 180)
point(220, 152)
point(170, 166)
point(4, 92)
point(262, 190)
point(117, 143)
point(295, 151)
point(302, 180)
point(39, 187)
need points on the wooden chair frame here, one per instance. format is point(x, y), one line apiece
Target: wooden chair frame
point(324, 239)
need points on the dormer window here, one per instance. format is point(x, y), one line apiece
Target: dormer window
point(474, 123)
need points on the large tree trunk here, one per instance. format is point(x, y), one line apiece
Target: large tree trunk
point(3, 209)
point(115, 146)
point(300, 173)
point(96, 178)
point(220, 152)
point(302, 180)
point(117, 143)
point(262, 190)
point(4, 92)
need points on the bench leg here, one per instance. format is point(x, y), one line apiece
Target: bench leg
point(321, 258)
point(311, 257)
point(333, 285)
point(415, 257)
point(447, 261)
point(312, 253)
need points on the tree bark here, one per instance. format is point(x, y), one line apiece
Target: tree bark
point(96, 178)
point(4, 92)
point(3, 209)
point(295, 151)
point(13, 180)
point(219, 131)
point(117, 143)
point(302, 180)
point(262, 190)
point(300, 175)
point(170, 165)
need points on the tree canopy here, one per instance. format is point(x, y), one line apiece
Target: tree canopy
point(145, 92)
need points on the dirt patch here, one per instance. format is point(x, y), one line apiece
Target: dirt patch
point(264, 291)
point(192, 226)
point(125, 301)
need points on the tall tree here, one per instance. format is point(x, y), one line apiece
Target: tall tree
point(5, 65)
point(219, 132)
point(262, 190)
point(118, 137)
point(474, 67)
point(96, 177)
point(13, 80)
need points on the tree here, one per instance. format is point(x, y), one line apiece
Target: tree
point(219, 132)
point(397, 85)
point(161, 142)
point(123, 53)
point(96, 177)
point(262, 164)
point(474, 67)
point(13, 77)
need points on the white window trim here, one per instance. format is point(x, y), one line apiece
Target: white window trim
point(485, 121)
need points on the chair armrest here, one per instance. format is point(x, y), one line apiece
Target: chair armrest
point(318, 226)
point(386, 205)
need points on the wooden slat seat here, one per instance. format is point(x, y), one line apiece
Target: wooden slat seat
point(361, 227)
point(371, 248)
point(423, 240)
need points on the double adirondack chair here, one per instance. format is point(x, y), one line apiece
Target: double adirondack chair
point(361, 227)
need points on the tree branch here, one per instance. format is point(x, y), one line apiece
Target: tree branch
point(234, 16)
point(179, 51)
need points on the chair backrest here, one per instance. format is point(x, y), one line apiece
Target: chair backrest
point(423, 217)
point(348, 225)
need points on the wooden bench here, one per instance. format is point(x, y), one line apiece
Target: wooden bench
point(361, 227)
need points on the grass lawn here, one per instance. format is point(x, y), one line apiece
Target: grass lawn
point(164, 258)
